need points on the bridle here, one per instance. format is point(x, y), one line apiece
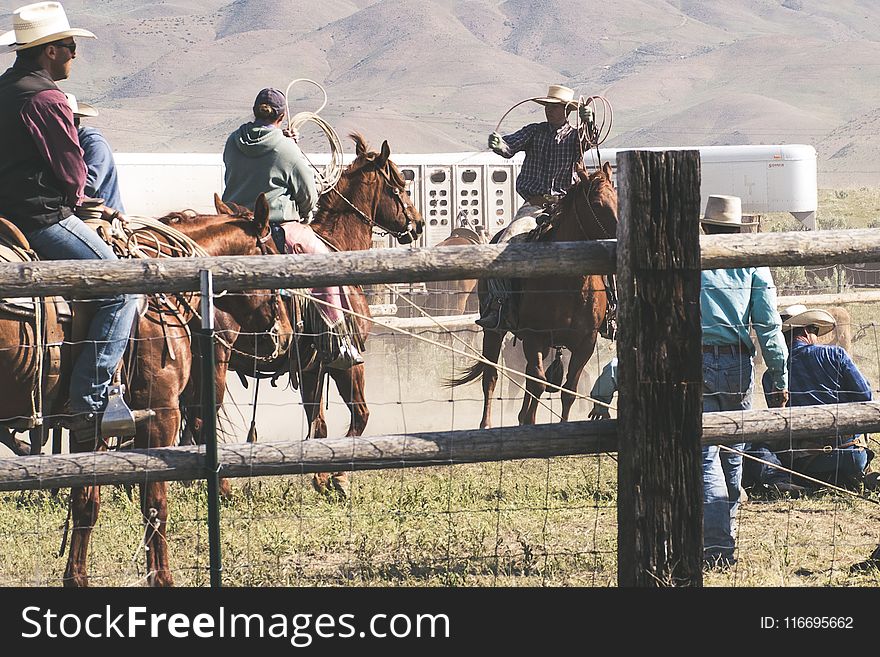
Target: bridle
point(405, 236)
point(587, 192)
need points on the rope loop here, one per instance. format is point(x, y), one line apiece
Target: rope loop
point(327, 177)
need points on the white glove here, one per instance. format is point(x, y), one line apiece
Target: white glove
point(585, 113)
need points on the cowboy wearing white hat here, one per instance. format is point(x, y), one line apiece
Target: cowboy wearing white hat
point(816, 320)
point(552, 148)
point(725, 211)
point(732, 300)
point(42, 182)
point(818, 374)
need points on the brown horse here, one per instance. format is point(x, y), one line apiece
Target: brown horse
point(157, 373)
point(557, 311)
point(370, 195)
point(455, 297)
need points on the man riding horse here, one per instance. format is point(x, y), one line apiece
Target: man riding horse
point(552, 149)
point(42, 178)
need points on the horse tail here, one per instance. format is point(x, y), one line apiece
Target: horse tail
point(472, 373)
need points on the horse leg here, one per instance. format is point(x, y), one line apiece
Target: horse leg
point(350, 384)
point(492, 341)
point(535, 351)
point(85, 504)
point(311, 388)
point(154, 502)
point(576, 364)
point(18, 447)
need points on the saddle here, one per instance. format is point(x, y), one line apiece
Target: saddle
point(48, 316)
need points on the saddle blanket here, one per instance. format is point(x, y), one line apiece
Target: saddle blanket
point(300, 238)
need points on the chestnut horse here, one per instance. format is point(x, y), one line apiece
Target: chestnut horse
point(158, 371)
point(370, 195)
point(455, 297)
point(556, 311)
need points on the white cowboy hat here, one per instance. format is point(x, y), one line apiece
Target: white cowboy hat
point(34, 25)
point(557, 95)
point(724, 211)
point(798, 316)
point(80, 109)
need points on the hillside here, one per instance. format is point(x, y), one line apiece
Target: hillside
point(437, 75)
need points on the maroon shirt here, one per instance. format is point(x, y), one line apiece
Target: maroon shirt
point(49, 120)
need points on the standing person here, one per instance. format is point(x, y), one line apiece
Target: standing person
point(817, 374)
point(730, 301)
point(552, 148)
point(260, 158)
point(42, 180)
point(101, 178)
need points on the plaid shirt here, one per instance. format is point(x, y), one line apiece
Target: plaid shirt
point(548, 167)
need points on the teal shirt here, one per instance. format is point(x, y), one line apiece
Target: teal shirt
point(733, 299)
point(606, 385)
point(260, 159)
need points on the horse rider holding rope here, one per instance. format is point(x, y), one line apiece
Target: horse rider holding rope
point(552, 149)
point(261, 157)
point(42, 181)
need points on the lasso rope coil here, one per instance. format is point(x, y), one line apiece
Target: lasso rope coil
point(330, 174)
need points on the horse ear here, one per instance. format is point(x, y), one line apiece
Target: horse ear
point(384, 155)
point(220, 206)
point(261, 214)
point(608, 172)
point(359, 147)
point(580, 170)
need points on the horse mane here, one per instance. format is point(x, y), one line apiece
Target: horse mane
point(600, 194)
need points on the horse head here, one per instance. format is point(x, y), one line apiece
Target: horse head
point(373, 187)
point(593, 200)
point(235, 230)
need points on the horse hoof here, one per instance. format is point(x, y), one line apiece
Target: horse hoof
point(341, 484)
point(321, 482)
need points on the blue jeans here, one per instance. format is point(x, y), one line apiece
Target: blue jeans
point(727, 386)
point(839, 467)
point(110, 328)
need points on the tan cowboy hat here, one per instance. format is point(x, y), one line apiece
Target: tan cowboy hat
point(799, 316)
point(557, 95)
point(724, 211)
point(80, 109)
point(36, 24)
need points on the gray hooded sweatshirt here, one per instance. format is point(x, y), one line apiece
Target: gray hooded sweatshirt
point(258, 159)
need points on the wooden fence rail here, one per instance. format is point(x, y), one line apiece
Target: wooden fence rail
point(772, 426)
point(74, 278)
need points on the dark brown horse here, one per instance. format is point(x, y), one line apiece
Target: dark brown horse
point(370, 195)
point(557, 311)
point(157, 372)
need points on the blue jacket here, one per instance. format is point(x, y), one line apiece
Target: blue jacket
point(823, 374)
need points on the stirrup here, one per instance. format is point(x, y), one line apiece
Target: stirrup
point(118, 419)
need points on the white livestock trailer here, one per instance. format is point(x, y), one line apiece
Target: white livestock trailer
point(478, 189)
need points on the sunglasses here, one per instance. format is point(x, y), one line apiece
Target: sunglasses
point(70, 46)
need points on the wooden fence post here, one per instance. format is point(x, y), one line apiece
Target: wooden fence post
point(660, 491)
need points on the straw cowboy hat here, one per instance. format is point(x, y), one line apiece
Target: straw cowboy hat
point(80, 109)
point(34, 25)
point(557, 95)
point(799, 316)
point(724, 211)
